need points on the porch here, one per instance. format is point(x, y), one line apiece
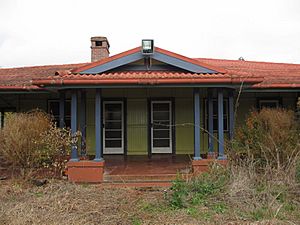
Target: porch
point(150, 137)
point(159, 170)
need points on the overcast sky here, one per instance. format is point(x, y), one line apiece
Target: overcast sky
point(40, 32)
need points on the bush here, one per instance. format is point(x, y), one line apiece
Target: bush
point(32, 140)
point(271, 139)
point(256, 185)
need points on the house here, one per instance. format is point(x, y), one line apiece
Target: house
point(148, 102)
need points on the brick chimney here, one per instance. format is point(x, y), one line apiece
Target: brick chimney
point(100, 48)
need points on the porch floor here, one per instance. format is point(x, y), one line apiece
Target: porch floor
point(158, 168)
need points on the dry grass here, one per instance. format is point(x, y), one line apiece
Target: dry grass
point(60, 202)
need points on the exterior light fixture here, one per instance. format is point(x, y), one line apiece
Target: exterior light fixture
point(147, 46)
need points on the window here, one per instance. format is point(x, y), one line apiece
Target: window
point(53, 108)
point(4, 112)
point(268, 103)
point(215, 114)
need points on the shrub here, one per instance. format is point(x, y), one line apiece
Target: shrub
point(31, 140)
point(271, 139)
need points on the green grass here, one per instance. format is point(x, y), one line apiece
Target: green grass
point(136, 221)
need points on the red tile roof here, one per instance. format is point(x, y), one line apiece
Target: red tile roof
point(143, 77)
point(260, 74)
point(20, 78)
point(138, 49)
point(274, 75)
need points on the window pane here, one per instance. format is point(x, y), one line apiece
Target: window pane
point(161, 125)
point(113, 125)
point(161, 133)
point(160, 106)
point(216, 124)
point(68, 122)
point(68, 108)
point(161, 143)
point(225, 124)
point(113, 143)
point(215, 107)
point(113, 134)
point(113, 115)
point(113, 107)
point(54, 108)
point(225, 107)
point(161, 115)
point(215, 114)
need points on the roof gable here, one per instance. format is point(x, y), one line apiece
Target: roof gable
point(173, 60)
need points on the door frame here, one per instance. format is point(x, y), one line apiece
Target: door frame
point(123, 101)
point(173, 130)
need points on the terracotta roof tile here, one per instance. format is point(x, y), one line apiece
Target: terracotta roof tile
point(138, 77)
point(138, 49)
point(265, 74)
point(20, 78)
point(273, 74)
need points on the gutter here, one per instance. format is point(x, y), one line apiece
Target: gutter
point(261, 86)
point(48, 82)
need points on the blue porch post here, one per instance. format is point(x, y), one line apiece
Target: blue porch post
point(210, 123)
point(221, 124)
point(83, 122)
point(74, 153)
point(98, 126)
point(62, 109)
point(197, 124)
point(231, 114)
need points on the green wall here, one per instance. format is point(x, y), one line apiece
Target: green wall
point(137, 131)
point(137, 116)
point(137, 113)
point(184, 118)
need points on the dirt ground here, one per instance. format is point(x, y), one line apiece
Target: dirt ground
point(60, 202)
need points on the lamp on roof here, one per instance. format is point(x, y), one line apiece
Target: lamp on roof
point(147, 46)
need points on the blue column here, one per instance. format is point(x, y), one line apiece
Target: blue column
point(197, 124)
point(98, 126)
point(220, 124)
point(62, 109)
point(231, 114)
point(74, 153)
point(210, 122)
point(83, 122)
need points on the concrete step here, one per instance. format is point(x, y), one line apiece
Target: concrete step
point(150, 184)
point(143, 178)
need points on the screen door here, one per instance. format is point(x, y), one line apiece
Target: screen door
point(113, 130)
point(161, 129)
